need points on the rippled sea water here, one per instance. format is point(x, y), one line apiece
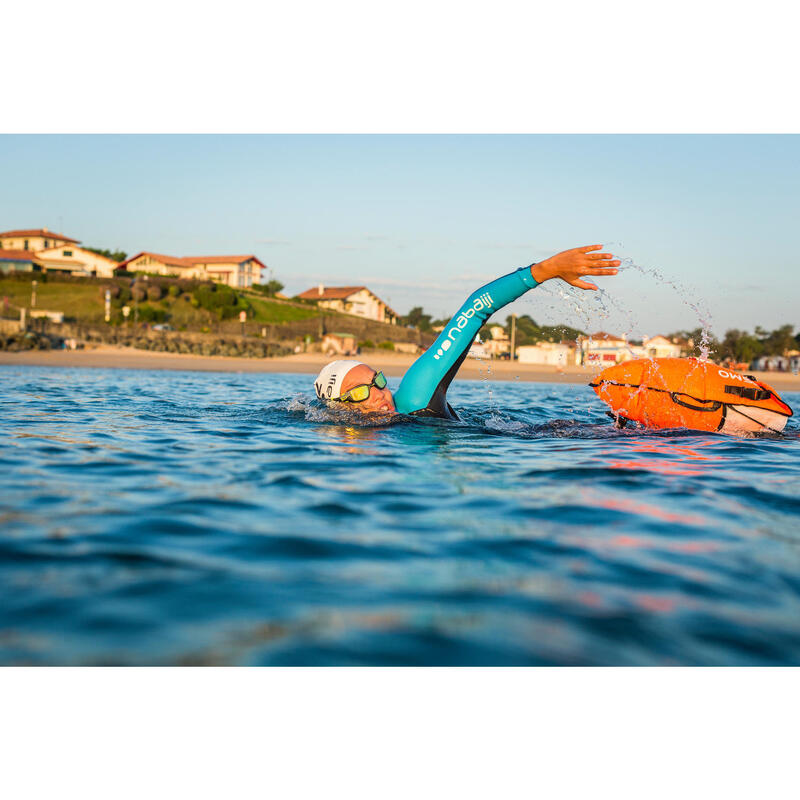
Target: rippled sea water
point(196, 518)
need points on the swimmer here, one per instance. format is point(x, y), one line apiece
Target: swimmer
point(423, 390)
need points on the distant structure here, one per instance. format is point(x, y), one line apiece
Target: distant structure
point(604, 349)
point(240, 272)
point(34, 239)
point(76, 260)
point(356, 300)
point(499, 344)
point(339, 344)
point(557, 354)
point(49, 251)
point(661, 347)
point(19, 261)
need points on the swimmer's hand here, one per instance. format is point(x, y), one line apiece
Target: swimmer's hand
point(573, 265)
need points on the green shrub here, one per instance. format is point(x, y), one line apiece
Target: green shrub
point(386, 345)
point(138, 294)
point(368, 343)
point(112, 289)
point(219, 299)
point(154, 293)
point(121, 297)
point(148, 313)
point(173, 290)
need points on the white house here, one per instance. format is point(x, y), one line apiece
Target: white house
point(604, 349)
point(33, 239)
point(499, 343)
point(357, 300)
point(74, 259)
point(240, 272)
point(661, 347)
point(557, 354)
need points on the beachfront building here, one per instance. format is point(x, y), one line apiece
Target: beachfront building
point(34, 239)
point(661, 347)
point(75, 260)
point(339, 344)
point(356, 300)
point(789, 362)
point(604, 349)
point(56, 252)
point(240, 272)
point(557, 354)
point(498, 344)
point(19, 261)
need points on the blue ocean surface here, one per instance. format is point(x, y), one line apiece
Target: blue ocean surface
point(212, 518)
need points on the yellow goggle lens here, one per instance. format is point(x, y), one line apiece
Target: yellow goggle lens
point(357, 394)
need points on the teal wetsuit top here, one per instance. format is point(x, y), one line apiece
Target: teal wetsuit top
point(423, 389)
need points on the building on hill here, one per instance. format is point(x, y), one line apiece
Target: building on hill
point(19, 261)
point(77, 260)
point(34, 239)
point(356, 300)
point(240, 272)
point(57, 252)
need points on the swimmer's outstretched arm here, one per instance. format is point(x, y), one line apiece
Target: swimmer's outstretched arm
point(424, 386)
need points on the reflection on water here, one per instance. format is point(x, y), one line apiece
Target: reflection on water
point(673, 458)
point(187, 518)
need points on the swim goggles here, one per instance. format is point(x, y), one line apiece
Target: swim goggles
point(358, 394)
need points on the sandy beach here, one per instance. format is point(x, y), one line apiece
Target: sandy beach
point(393, 364)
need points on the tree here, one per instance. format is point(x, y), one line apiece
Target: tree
point(417, 318)
point(740, 346)
point(777, 342)
point(114, 255)
point(270, 288)
point(697, 338)
point(529, 332)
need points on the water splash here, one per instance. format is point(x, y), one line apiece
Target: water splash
point(589, 309)
point(688, 297)
point(339, 414)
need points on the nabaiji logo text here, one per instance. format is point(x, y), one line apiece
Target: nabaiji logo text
point(481, 302)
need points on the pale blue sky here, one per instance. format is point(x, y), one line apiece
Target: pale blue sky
point(426, 219)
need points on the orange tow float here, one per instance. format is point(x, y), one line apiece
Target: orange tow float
point(689, 393)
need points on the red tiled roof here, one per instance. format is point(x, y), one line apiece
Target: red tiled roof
point(604, 335)
point(44, 252)
point(192, 261)
point(331, 292)
point(39, 232)
point(18, 255)
point(172, 261)
point(222, 259)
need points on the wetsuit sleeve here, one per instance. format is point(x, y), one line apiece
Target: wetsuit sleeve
point(423, 388)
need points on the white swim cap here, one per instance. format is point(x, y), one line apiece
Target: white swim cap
point(328, 384)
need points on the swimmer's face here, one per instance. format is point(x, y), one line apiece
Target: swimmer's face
point(378, 400)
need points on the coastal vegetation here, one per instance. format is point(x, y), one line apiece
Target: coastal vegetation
point(188, 305)
point(174, 315)
point(742, 346)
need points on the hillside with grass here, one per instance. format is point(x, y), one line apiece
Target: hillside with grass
point(189, 307)
point(182, 307)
